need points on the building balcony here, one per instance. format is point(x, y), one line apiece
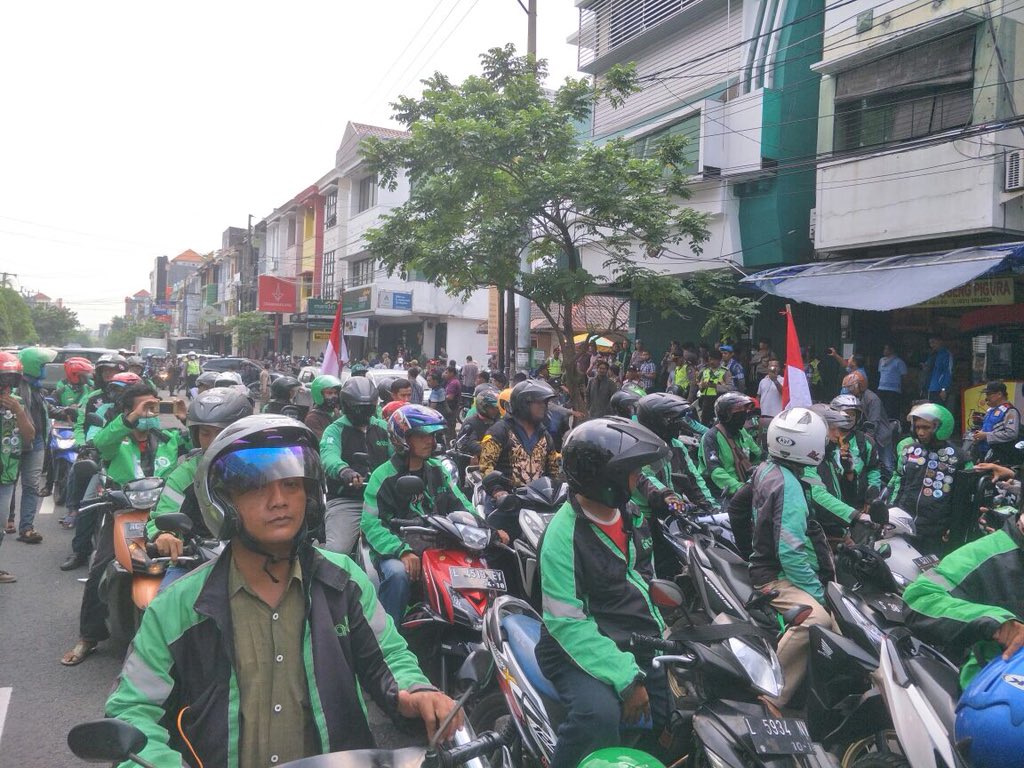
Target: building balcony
point(611, 31)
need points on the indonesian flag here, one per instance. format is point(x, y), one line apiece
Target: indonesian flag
point(336, 355)
point(795, 389)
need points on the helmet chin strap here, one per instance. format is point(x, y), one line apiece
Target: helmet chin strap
point(246, 540)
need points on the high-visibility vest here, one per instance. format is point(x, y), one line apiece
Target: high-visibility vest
point(555, 366)
point(709, 381)
point(682, 375)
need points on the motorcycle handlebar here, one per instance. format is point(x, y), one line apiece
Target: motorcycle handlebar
point(478, 747)
point(651, 643)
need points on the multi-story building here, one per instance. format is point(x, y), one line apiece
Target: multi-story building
point(137, 306)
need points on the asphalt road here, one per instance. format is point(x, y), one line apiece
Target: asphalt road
point(40, 700)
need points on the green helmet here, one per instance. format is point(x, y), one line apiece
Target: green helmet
point(620, 757)
point(936, 413)
point(319, 384)
point(34, 360)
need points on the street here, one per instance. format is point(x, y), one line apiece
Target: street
point(40, 700)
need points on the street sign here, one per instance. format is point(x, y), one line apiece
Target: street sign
point(321, 335)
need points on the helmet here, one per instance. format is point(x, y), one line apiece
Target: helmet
point(390, 408)
point(942, 418)
point(384, 389)
point(833, 416)
point(503, 398)
point(358, 369)
point(217, 407)
point(115, 363)
point(77, 367)
point(34, 360)
point(249, 454)
point(136, 361)
point(663, 414)
point(798, 435)
point(730, 403)
point(413, 418)
point(10, 370)
point(623, 403)
point(620, 757)
point(486, 398)
point(207, 379)
point(283, 386)
point(855, 379)
point(525, 393)
point(358, 400)
point(599, 455)
point(228, 379)
point(989, 715)
point(320, 384)
point(122, 380)
point(846, 403)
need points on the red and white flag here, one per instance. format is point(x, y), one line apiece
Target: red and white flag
point(795, 389)
point(336, 354)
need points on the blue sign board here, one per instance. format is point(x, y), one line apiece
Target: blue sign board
point(401, 301)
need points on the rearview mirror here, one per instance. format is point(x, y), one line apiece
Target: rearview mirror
point(106, 741)
point(476, 669)
point(665, 593)
point(409, 487)
point(174, 522)
point(884, 550)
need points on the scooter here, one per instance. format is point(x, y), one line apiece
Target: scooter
point(63, 454)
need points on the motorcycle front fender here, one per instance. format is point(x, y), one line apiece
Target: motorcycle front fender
point(144, 589)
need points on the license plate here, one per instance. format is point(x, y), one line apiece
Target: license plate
point(135, 530)
point(477, 578)
point(926, 562)
point(779, 736)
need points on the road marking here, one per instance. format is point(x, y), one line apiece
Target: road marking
point(47, 506)
point(5, 699)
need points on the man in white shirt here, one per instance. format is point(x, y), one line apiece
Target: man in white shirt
point(769, 394)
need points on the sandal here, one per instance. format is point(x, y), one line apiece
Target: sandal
point(11, 528)
point(29, 536)
point(68, 521)
point(78, 654)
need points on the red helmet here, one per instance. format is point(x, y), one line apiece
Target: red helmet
point(126, 379)
point(77, 367)
point(390, 409)
point(10, 363)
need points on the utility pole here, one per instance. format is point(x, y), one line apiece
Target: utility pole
point(6, 275)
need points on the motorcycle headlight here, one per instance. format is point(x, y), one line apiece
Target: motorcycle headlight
point(764, 671)
point(143, 499)
point(65, 444)
point(473, 537)
point(902, 581)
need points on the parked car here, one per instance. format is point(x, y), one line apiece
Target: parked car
point(248, 369)
point(54, 371)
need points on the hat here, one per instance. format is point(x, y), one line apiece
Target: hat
point(995, 386)
point(725, 348)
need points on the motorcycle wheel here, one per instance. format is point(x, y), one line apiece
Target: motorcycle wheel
point(485, 715)
point(123, 617)
point(865, 754)
point(60, 484)
point(881, 760)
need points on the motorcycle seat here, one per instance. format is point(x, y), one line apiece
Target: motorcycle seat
point(733, 570)
point(523, 634)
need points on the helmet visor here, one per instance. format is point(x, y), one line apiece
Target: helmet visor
point(250, 469)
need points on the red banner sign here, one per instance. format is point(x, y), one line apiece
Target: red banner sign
point(275, 294)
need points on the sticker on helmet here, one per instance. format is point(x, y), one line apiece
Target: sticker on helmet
point(1017, 681)
point(783, 440)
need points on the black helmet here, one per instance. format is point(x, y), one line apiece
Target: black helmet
point(623, 403)
point(384, 389)
point(217, 407)
point(525, 393)
point(116, 363)
point(599, 455)
point(249, 454)
point(282, 387)
point(358, 400)
point(663, 414)
point(732, 402)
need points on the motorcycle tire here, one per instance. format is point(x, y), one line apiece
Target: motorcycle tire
point(485, 715)
point(881, 760)
point(60, 484)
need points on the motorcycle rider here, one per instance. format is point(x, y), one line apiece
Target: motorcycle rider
point(925, 482)
point(623, 403)
point(77, 381)
point(790, 552)
point(727, 452)
point(33, 372)
point(595, 566)
point(667, 416)
point(483, 416)
point(209, 413)
point(138, 367)
point(325, 391)
point(132, 446)
point(16, 429)
point(859, 456)
point(197, 679)
point(356, 432)
point(413, 431)
point(282, 396)
point(826, 484)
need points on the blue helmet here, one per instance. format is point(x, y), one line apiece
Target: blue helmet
point(413, 418)
point(990, 715)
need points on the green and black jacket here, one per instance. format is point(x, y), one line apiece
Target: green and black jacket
point(961, 602)
point(680, 463)
point(179, 495)
point(182, 662)
point(925, 482)
point(340, 443)
point(90, 403)
point(125, 462)
point(381, 504)
point(594, 597)
point(719, 464)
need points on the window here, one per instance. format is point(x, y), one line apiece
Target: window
point(914, 93)
point(327, 276)
point(331, 209)
point(629, 19)
point(362, 272)
point(367, 193)
point(688, 128)
point(290, 224)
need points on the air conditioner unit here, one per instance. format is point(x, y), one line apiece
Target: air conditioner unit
point(1014, 178)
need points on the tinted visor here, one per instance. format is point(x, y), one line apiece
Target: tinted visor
point(249, 469)
point(10, 380)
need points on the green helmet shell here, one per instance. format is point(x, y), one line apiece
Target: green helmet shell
point(620, 757)
point(319, 384)
point(34, 360)
point(936, 413)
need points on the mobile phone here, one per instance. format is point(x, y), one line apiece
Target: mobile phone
point(167, 406)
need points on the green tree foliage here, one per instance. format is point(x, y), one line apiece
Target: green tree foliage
point(250, 327)
point(15, 319)
point(54, 325)
point(496, 163)
point(124, 331)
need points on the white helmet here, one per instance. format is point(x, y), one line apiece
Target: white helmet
point(228, 379)
point(798, 435)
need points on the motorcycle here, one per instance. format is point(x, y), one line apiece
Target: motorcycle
point(63, 453)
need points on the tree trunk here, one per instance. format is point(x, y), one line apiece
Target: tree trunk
point(571, 378)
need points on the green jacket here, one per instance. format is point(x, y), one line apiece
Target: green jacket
point(338, 446)
point(68, 394)
point(961, 602)
point(660, 477)
point(90, 403)
point(10, 448)
point(826, 495)
point(177, 488)
point(594, 596)
point(381, 503)
point(717, 462)
point(120, 452)
point(181, 663)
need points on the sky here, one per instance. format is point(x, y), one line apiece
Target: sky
point(133, 129)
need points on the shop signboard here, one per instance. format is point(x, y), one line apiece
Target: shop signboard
point(275, 295)
point(394, 300)
point(993, 292)
point(357, 326)
point(321, 335)
point(321, 308)
point(356, 300)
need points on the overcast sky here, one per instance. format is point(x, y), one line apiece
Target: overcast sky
point(136, 129)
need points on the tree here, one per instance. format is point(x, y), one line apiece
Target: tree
point(15, 319)
point(123, 331)
point(495, 164)
point(250, 327)
point(54, 325)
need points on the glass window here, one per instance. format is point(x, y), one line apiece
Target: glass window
point(362, 272)
point(331, 209)
point(367, 193)
point(327, 276)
